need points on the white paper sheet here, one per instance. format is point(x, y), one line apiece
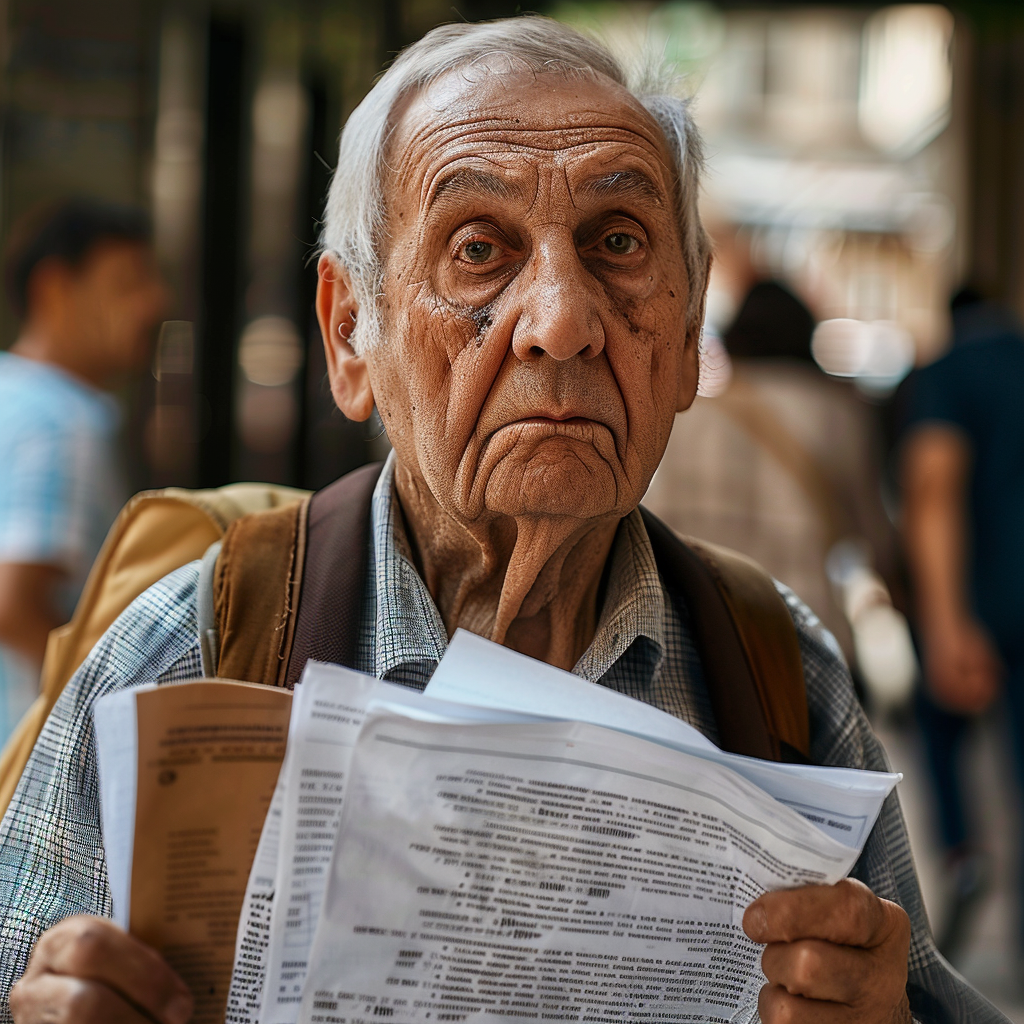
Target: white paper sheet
point(478, 671)
point(481, 685)
point(271, 949)
point(117, 756)
point(553, 870)
point(327, 715)
point(843, 802)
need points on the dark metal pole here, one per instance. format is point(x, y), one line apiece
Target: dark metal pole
point(222, 248)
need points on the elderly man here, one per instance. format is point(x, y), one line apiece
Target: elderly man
point(513, 276)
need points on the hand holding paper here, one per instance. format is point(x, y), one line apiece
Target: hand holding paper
point(833, 948)
point(89, 970)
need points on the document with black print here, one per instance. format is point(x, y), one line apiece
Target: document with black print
point(548, 871)
point(245, 993)
point(844, 802)
point(274, 937)
point(187, 772)
point(329, 705)
point(289, 874)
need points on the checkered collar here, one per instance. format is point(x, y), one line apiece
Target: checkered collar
point(409, 631)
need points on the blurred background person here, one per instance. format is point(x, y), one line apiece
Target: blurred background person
point(81, 275)
point(963, 492)
point(783, 463)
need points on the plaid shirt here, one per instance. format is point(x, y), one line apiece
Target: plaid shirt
point(51, 850)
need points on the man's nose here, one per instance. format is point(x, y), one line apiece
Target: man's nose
point(559, 315)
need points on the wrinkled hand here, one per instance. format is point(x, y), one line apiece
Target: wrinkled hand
point(834, 953)
point(86, 970)
point(962, 668)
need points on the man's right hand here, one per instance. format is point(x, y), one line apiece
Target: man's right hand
point(962, 667)
point(86, 970)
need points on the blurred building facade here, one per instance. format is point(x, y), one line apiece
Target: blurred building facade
point(871, 154)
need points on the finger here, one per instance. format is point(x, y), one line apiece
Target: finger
point(820, 970)
point(848, 913)
point(94, 949)
point(58, 999)
point(776, 1006)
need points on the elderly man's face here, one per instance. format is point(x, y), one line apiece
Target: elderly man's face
point(535, 341)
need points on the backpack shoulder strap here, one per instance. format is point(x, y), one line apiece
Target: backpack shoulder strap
point(747, 643)
point(334, 580)
point(261, 580)
point(155, 533)
point(256, 582)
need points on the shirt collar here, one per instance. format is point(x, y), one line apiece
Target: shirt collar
point(634, 603)
point(409, 628)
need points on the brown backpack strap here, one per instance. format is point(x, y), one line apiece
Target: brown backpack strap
point(263, 579)
point(334, 576)
point(255, 589)
point(747, 643)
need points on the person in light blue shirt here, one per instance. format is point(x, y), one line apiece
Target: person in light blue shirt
point(81, 276)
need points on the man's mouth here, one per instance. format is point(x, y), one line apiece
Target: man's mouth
point(551, 425)
point(548, 420)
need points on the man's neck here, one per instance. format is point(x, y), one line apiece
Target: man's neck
point(531, 583)
point(41, 346)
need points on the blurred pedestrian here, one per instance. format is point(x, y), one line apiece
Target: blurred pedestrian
point(963, 483)
point(783, 465)
point(81, 276)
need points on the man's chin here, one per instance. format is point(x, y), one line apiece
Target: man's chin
point(560, 482)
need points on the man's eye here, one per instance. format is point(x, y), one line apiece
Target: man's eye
point(478, 251)
point(620, 243)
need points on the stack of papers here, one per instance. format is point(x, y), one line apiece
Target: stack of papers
point(518, 843)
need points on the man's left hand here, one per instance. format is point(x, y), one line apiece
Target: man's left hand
point(834, 953)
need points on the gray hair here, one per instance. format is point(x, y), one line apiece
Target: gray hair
point(354, 221)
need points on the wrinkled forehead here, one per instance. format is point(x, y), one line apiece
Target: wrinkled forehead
point(521, 122)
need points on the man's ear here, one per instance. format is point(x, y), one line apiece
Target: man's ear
point(689, 378)
point(336, 311)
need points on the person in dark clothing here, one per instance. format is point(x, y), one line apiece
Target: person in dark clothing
point(772, 323)
point(963, 481)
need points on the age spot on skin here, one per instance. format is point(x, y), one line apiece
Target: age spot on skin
point(483, 320)
point(624, 313)
point(481, 316)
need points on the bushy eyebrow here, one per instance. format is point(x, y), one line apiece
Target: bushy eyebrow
point(624, 184)
point(467, 182)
